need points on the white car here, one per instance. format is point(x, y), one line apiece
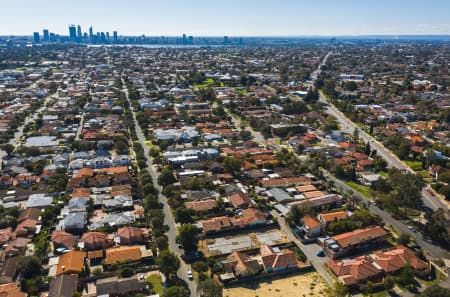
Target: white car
point(189, 274)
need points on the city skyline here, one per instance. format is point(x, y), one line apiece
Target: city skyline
point(252, 18)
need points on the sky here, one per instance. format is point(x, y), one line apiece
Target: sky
point(228, 17)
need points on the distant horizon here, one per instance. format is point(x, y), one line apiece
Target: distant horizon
point(258, 36)
point(249, 18)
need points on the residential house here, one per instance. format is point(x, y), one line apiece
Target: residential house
point(70, 263)
point(326, 218)
point(132, 235)
point(11, 290)
point(117, 287)
point(242, 265)
point(123, 254)
point(240, 200)
point(311, 226)
point(63, 286)
point(62, 239)
point(275, 260)
point(351, 272)
point(92, 241)
point(350, 242)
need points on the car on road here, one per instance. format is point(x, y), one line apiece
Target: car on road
point(320, 253)
point(412, 228)
point(189, 274)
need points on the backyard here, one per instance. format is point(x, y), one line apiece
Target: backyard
point(301, 285)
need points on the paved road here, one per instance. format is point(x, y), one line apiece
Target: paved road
point(310, 250)
point(18, 134)
point(168, 217)
point(257, 136)
point(347, 126)
point(435, 251)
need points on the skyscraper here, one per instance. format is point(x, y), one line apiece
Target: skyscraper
point(72, 33)
point(115, 38)
point(79, 34)
point(46, 37)
point(36, 38)
point(225, 40)
point(91, 34)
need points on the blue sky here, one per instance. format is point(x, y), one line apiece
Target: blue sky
point(228, 17)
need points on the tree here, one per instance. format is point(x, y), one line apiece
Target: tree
point(389, 283)
point(367, 288)
point(166, 177)
point(126, 272)
point(406, 276)
point(176, 291)
point(209, 288)
point(312, 96)
point(162, 243)
point(187, 236)
point(232, 164)
point(340, 289)
point(184, 215)
point(168, 263)
point(30, 267)
point(200, 266)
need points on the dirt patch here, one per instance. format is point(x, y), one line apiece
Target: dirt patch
point(301, 285)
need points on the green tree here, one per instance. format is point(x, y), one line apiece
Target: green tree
point(389, 283)
point(232, 164)
point(187, 236)
point(209, 288)
point(340, 289)
point(168, 263)
point(30, 267)
point(200, 266)
point(176, 291)
point(162, 243)
point(166, 177)
point(406, 276)
point(367, 288)
point(184, 215)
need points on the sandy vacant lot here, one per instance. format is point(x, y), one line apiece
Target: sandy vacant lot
point(301, 285)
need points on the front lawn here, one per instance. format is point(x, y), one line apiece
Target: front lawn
point(363, 190)
point(415, 165)
point(155, 284)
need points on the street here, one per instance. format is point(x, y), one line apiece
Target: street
point(434, 250)
point(168, 217)
point(310, 250)
point(347, 126)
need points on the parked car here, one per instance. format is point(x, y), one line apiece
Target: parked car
point(320, 253)
point(189, 274)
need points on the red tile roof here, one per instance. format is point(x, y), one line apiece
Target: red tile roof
point(240, 200)
point(358, 236)
point(123, 254)
point(71, 262)
point(350, 272)
point(62, 238)
point(202, 205)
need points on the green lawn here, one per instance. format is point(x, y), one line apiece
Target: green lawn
point(383, 173)
point(209, 82)
point(155, 283)
point(415, 165)
point(363, 190)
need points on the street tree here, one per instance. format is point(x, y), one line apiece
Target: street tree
point(168, 263)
